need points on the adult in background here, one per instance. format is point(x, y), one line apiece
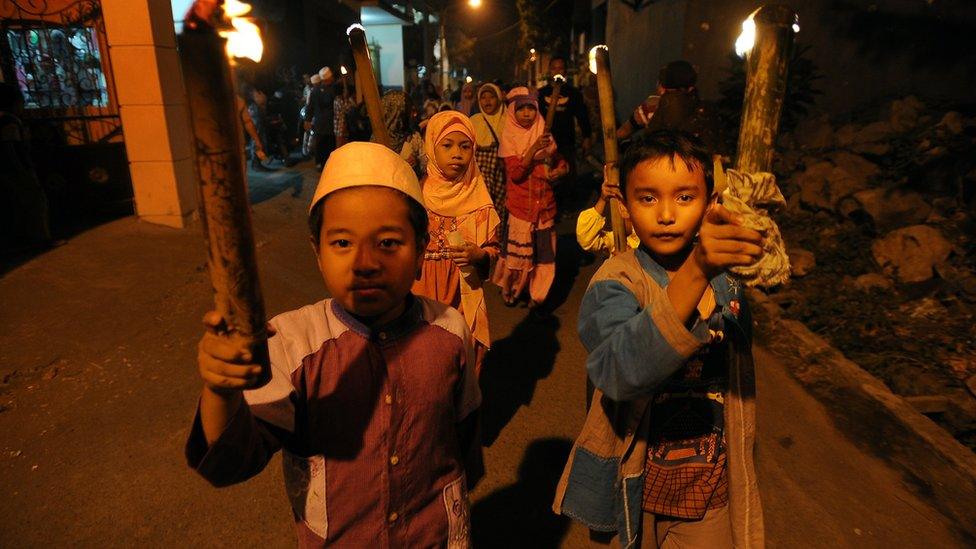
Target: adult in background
point(320, 117)
point(488, 126)
point(676, 106)
point(468, 104)
point(570, 111)
point(257, 109)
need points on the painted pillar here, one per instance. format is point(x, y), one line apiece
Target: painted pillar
point(152, 105)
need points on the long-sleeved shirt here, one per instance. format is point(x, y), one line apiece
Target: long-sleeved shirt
point(636, 342)
point(528, 192)
point(592, 237)
point(370, 422)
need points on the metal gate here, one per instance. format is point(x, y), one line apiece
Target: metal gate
point(56, 52)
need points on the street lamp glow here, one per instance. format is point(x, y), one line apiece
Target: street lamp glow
point(468, 79)
point(593, 56)
point(796, 23)
point(474, 3)
point(342, 69)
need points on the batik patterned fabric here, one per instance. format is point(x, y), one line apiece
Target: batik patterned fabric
point(686, 463)
point(754, 196)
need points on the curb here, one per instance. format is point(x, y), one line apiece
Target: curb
point(882, 423)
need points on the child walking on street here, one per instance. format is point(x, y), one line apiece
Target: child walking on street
point(372, 396)
point(665, 457)
point(528, 259)
point(591, 233)
point(463, 226)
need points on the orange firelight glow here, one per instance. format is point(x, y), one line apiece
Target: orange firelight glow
point(245, 39)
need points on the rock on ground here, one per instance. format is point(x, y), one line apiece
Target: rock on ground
point(886, 208)
point(801, 262)
point(911, 253)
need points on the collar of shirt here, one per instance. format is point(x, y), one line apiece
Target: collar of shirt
point(397, 328)
point(724, 286)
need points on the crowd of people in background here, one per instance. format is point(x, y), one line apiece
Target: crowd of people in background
point(530, 172)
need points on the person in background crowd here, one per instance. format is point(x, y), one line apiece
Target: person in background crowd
point(404, 139)
point(257, 109)
point(468, 104)
point(257, 152)
point(280, 105)
point(532, 163)
point(488, 127)
point(570, 112)
point(463, 228)
point(345, 102)
point(675, 106)
point(320, 117)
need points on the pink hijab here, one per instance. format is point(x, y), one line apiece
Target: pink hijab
point(441, 195)
point(517, 139)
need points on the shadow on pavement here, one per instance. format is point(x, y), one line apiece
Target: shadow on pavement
point(520, 514)
point(263, 186)
point(569, 257)
point(512, 368)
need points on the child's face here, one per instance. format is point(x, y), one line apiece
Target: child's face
point(488, 101)
point(666, 204)
point(453, 154)
point(369, 261)
point(525, 115)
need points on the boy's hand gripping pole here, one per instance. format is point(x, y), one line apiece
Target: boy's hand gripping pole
point(219, 152)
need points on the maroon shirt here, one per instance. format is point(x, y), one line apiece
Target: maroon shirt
point(368, 424)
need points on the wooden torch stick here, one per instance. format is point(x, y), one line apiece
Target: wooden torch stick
point(557, 86)
point(767, 66)
point(364, 67)
point(219, 148)
point(600, 66)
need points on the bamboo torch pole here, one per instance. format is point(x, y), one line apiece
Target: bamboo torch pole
point(557, 88)
point(600, 66)
point(767, 64)
point(364, 68)
point(218, 145)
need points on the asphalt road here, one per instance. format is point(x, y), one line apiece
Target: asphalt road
point(97, 364)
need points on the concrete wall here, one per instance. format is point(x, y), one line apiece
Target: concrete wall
point(152, 105)
point(390, 39)
point(640, 43)
point(856, 72)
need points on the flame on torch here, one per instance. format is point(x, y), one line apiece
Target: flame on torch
point(245, 38)
point(593, 56)
point(747, 38)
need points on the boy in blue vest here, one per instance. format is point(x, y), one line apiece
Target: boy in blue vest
point(665, 457)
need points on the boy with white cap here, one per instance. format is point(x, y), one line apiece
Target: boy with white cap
point(372, 397)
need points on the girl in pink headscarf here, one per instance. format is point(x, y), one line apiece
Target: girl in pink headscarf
point(463, 225)
point(528, 258)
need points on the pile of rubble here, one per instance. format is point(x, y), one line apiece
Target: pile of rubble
point(881, 226)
